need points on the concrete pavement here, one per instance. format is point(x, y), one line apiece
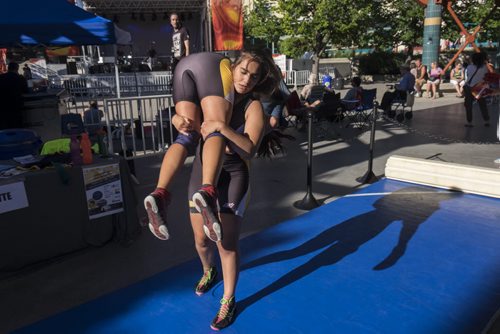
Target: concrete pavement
point(435, 132)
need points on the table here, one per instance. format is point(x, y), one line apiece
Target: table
point(56, 222)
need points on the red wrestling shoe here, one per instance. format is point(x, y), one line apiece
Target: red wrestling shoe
point(205, 201)
point(156, 206)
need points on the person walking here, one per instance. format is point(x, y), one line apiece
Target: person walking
point(474, 74)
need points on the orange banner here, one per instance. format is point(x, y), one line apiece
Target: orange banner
point(227, 20)
point(64, 51)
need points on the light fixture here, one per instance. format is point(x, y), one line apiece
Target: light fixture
point(141, 16)
point(116, 19)
point(153, 17)
point(429, 41)
point(133, 17)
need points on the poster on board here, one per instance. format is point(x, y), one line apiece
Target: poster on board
point(103, 190)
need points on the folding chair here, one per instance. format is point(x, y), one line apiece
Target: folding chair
point(403, 108)
point(361, 113)
point(295, 111)
point(329, 111)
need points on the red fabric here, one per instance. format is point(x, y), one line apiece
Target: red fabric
point(227, 20)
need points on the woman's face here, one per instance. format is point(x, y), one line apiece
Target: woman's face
point(246, 75)
point(433, 65)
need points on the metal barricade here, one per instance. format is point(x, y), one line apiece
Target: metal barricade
point(139, 126)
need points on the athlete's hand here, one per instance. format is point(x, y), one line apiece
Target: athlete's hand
point(182, 124)
point(209, 127)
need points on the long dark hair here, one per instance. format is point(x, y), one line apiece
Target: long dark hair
point(267, 85)
point(270, 75)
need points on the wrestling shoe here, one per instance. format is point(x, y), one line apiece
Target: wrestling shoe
point(156, 206)
point(206, 282)
point(225, 316)
point(205, 201)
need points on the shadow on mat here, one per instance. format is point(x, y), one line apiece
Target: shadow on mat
point(412, 206)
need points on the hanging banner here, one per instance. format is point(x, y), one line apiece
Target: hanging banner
point(227, 21)
point(64, 51)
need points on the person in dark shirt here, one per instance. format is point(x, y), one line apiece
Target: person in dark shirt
point(12, 87)
point(180, 40)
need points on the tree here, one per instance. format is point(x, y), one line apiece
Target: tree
point(312, 25)
point(262, 23)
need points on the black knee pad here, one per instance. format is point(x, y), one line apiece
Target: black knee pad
point(189, 141)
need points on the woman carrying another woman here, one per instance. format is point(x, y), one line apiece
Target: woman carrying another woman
point(202, 83)
point(252, 73)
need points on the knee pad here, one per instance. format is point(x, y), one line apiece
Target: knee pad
point(189, 141)
point(214, 134)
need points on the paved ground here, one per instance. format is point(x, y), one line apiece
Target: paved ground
point(436, 132)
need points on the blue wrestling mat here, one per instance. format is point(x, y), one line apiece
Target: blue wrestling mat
point(391, 258)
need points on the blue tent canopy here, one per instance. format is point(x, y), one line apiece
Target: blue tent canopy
point(52, 22)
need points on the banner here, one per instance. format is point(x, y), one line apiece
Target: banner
point(63, 51)
point(227, 20)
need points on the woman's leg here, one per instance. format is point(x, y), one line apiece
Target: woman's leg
point(469, 99)
point(204, 247)
point(434, 90)
point(206, 250)
point(157, 202)
point(205, 199)
point(229, 252)
point(428, 89)
point(214, 108)
point(230, 259)
point(176, 154)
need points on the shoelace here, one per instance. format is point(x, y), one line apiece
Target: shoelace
point(206, 277)
point(224, 308)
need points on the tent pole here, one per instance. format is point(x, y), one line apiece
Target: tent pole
point(117, 72)
point(209, 21)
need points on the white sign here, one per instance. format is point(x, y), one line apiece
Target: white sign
point(280, 60)
point(13, 197)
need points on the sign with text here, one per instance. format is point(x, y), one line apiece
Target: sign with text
point(103, 189)
point(13, 197)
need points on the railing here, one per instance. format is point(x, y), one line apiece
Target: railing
point(139, 126)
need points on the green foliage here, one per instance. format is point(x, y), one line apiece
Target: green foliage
point(380, 62)
point(316, 25)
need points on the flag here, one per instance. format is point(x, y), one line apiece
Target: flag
point(227, 20)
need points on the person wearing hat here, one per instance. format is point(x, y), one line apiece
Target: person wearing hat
point(406, 85)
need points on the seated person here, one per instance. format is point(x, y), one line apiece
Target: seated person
point(327, 81)
point(273, 105)
point(457, 78)
point(421, 77)
point(92, 119)
point(434, 80)
point(352, 97)
point(305, 93)
point(405, 86)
